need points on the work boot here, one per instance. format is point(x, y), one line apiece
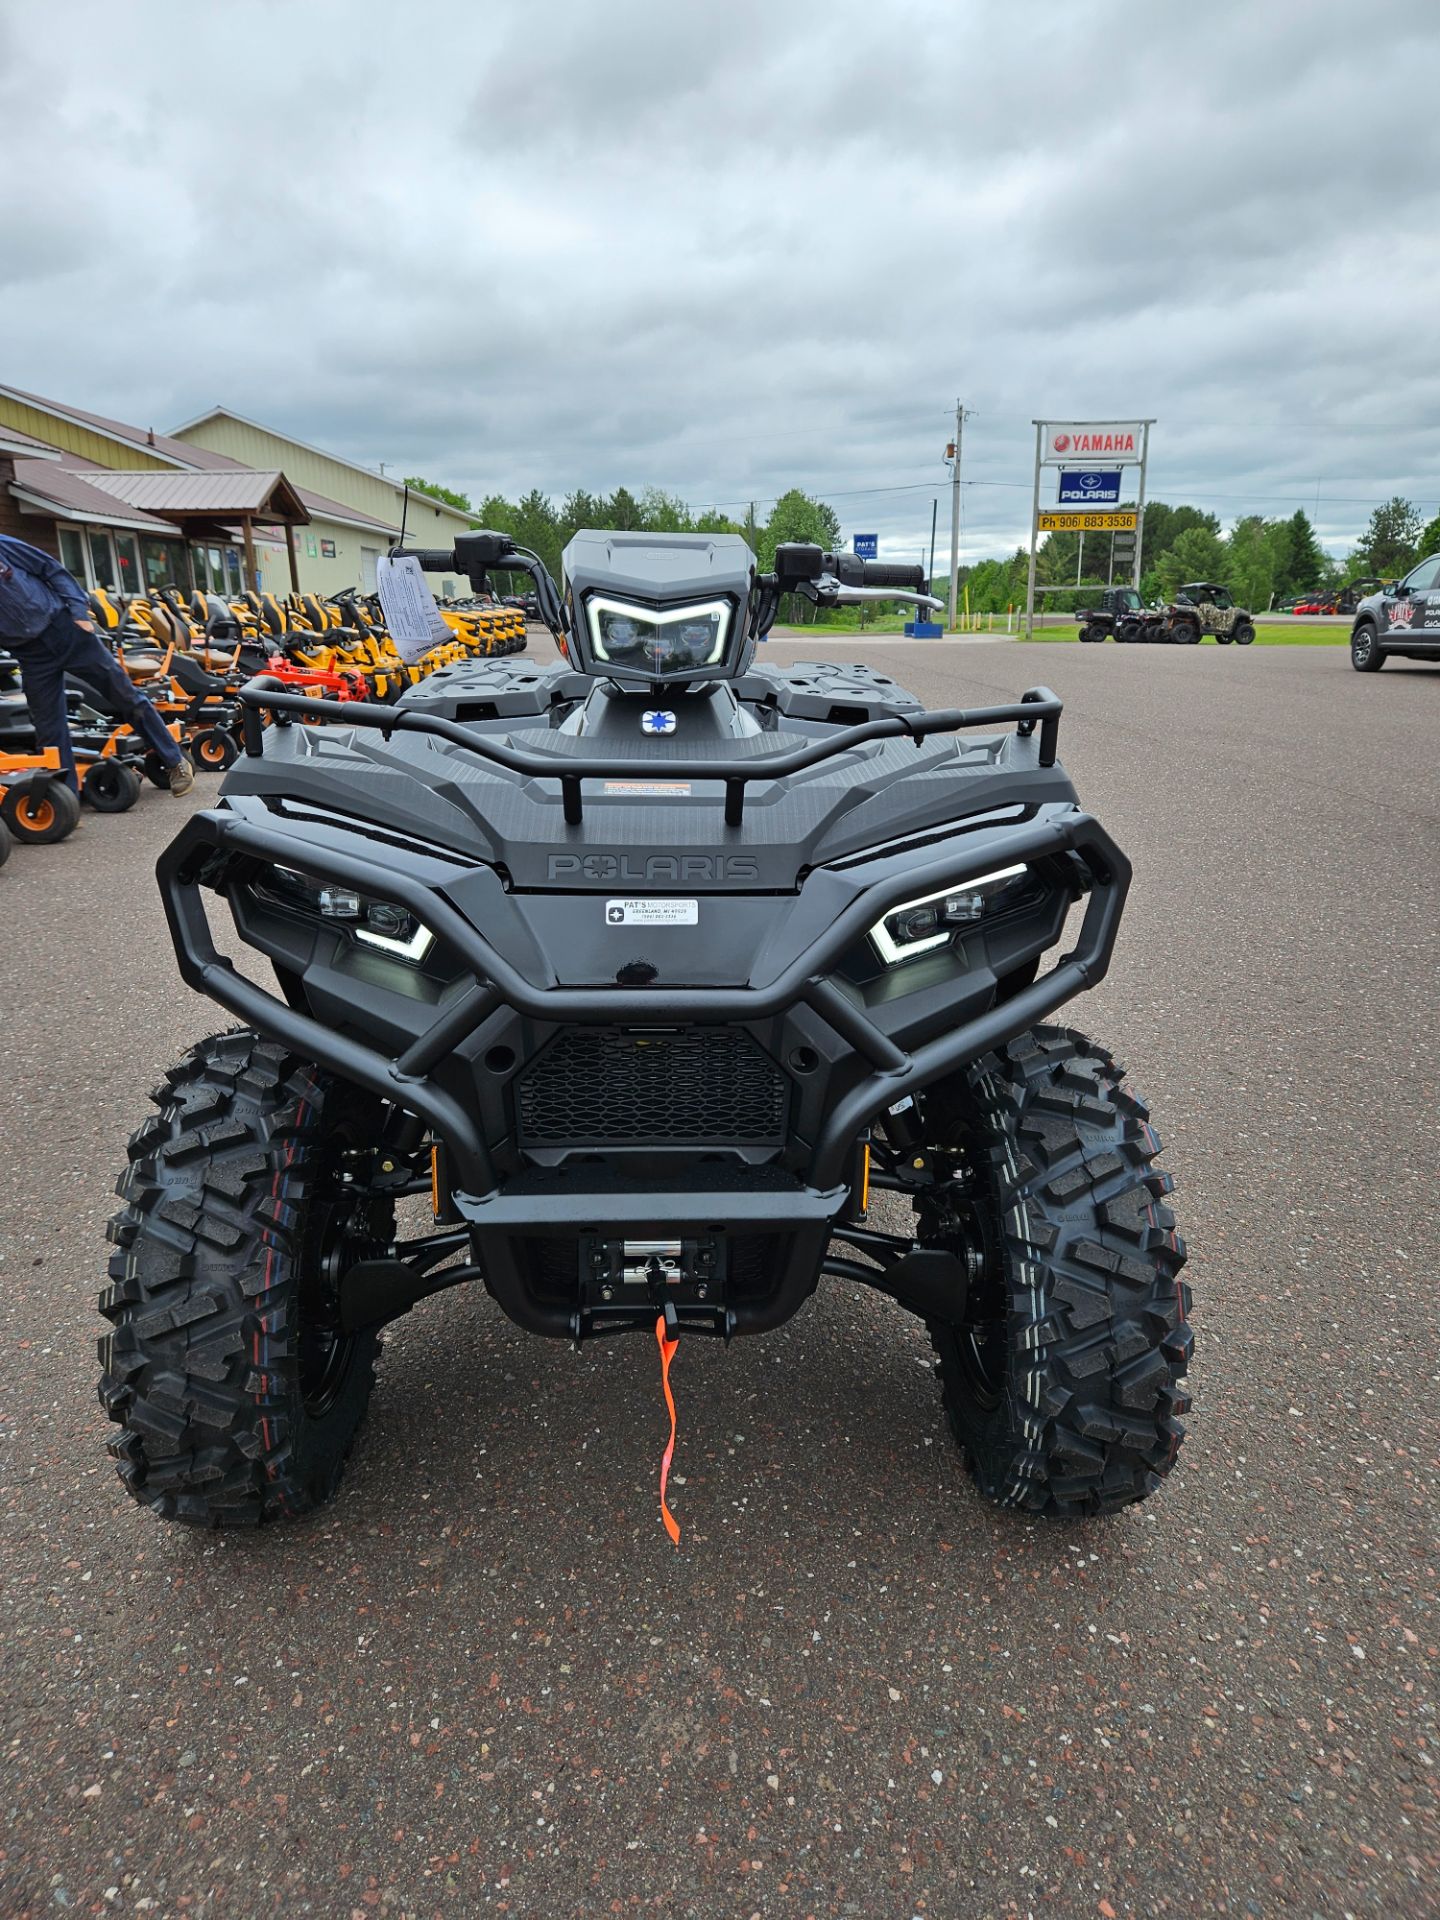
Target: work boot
point(182, 777)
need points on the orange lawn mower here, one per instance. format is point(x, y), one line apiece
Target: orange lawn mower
point(37, 804)
point(110, 758)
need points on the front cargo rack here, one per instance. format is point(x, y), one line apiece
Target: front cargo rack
point(267, 694)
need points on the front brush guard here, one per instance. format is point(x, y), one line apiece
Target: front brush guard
point(211, 839)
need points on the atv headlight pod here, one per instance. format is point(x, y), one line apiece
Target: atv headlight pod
point(664, 645)
point(921, 925)
point(373, 922)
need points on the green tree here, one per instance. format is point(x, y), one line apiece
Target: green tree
point(1250, 562)
point(536, 527)
point(1297, 559)
point(662, 512)
point(437, 492)
point(993, 586)
point(1164, 525)
point(580, 509)
point(713, 521)
point(797, 516)
point(622, 512)
point(1429, 541)
point(498, 514)
point(1388, 545)
point(1198, 554)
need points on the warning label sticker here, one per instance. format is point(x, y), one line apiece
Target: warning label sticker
point(668, 787)
point(652, 913)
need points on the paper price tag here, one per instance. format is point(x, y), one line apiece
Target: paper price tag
point(415, 622)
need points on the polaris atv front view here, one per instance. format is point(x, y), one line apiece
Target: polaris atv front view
point(641, 993)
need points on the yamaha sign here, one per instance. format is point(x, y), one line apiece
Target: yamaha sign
point(1072, 443)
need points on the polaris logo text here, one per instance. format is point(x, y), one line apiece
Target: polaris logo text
point(683, 869)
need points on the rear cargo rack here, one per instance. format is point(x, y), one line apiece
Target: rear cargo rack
point(266, 694)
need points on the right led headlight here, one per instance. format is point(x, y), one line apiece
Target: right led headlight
point(921, 925)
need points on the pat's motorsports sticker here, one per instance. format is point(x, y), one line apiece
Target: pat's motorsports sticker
point(652, 913)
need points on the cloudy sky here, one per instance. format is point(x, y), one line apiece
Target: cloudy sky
point(727, 248)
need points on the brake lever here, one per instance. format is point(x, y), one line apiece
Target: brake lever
point(827, 591)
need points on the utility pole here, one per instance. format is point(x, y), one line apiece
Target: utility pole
point(960, 418)
point(930, 575)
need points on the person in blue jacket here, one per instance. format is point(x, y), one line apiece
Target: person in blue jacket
point(45, 622)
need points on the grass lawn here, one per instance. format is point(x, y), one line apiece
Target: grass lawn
point(1266, 635)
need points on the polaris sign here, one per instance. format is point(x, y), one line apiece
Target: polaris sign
point(1090, 487)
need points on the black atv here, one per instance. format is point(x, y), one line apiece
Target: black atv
point(667, 984)
point(1120, 614)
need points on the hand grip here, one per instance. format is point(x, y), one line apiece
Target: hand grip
point(910, 579)
point(434, 559)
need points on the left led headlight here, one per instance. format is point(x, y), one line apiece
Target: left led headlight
point(921, 925)
point(373, 922)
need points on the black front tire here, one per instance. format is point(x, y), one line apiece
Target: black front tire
point(1244, 633)
point(237, 1397)
point(1365, 653)
point(1062, 1384)
point(213, 749)
point(110, 786)
point(6, 843)
point(1093, 631)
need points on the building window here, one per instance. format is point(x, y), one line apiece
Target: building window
point(72, 552)
point(160, 563)
point(127, 556)
point(233, 574)
point(102, 558)
point(217, 571)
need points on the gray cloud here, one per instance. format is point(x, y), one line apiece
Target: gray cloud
point(727, 248)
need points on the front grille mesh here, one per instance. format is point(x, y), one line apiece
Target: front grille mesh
point(594, 1086)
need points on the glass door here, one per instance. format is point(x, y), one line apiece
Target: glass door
point(127, 557)
point(102, 558)
point(72, 553)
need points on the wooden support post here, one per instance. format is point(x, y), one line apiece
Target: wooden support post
point(252, 579)
point(290, 549)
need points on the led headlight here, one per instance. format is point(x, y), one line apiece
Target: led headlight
point(664, 645)
point(921, 925)
point(375, 923)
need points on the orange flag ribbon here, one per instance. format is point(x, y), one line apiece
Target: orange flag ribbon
point(667, 1354)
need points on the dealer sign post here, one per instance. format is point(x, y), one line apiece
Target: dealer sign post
point(1092, 455)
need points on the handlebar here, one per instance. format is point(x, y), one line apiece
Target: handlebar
point(909, 579)
point(434, 559)
point(798, 564)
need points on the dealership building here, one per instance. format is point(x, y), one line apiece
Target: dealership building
point(220, 504)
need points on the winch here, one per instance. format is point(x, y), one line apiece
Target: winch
point(624, 1283)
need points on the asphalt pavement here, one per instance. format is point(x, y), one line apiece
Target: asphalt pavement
point(484, 1681)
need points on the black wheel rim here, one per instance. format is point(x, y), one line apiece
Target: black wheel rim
point(982, 1338)
point(339, 1236)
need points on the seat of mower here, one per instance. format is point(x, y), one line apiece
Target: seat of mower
point(192, 678)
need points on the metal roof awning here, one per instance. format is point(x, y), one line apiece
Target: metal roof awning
point(66, 494)
point(240, 494)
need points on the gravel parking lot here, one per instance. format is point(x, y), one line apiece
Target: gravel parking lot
point(484, 1681)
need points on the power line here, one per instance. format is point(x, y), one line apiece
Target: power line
point(1201, 487)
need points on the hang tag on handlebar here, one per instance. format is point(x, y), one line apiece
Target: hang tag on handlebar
point(415, 622)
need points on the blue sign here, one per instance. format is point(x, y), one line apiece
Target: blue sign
point(1089, 487)
point(867, 546)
